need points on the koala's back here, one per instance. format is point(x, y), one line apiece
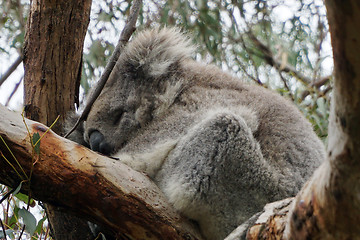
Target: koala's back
point(286, 138)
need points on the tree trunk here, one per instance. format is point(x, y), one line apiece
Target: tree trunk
point(81, 181)
point(328, 207)
point(52, 60)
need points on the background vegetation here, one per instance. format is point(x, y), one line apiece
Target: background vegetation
point(282, 45)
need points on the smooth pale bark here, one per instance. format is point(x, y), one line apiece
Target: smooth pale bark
point(91, 185)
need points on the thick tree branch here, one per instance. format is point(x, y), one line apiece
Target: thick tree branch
point(81, 181)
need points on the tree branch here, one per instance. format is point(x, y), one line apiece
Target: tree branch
point(272, 61)
point(11, 69)
point(115, 196)
point(14, 91)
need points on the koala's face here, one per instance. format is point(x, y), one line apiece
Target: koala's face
point(143, 85)
point(120, 111)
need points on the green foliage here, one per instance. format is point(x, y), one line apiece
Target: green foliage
point(15, 216)
point(36, 142)
point(15, 199)
point(13, 220)
point(24, 198)
point(29, 220)
point(17, 190)
point(318, 116)
point(9, 232)
point(40, 227)
point(13, 16)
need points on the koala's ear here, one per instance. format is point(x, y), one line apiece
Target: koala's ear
point(152, 52)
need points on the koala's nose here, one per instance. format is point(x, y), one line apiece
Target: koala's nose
point(98, 143)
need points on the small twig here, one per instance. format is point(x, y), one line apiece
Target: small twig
point(242, 67)
point(326, 90)
point(29, 200)
point(47, 231)
point(124, 38)
point(7, 195)
point(22, 232)
point(6, 220)
point(286, 85)
point(10, 70)
point(47, 130)
point(319, 83)
point(269, 58)
point(322, 32)
point(242, 42)
point(21, 15)
point(7, 160)
point(3, 228)
point(14, 91)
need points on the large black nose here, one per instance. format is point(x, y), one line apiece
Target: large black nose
point(98, 143)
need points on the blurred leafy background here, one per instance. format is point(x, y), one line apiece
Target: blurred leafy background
point(281, 45)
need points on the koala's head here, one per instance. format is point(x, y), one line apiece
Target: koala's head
point(120, 110)
point(143, 85)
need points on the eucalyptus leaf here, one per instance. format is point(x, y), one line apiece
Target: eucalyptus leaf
point(35, 139)
point(25, 198)
point(15, 216)
point(9, 233)
point(40, 225)
point(29, 221)
point(17, 189)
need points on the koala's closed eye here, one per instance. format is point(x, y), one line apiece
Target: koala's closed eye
point(117, 116)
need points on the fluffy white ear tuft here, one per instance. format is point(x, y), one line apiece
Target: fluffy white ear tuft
point(153, 51)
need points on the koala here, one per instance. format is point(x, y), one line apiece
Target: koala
point(218, 148)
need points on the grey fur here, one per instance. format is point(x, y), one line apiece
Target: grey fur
point(218, 148)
